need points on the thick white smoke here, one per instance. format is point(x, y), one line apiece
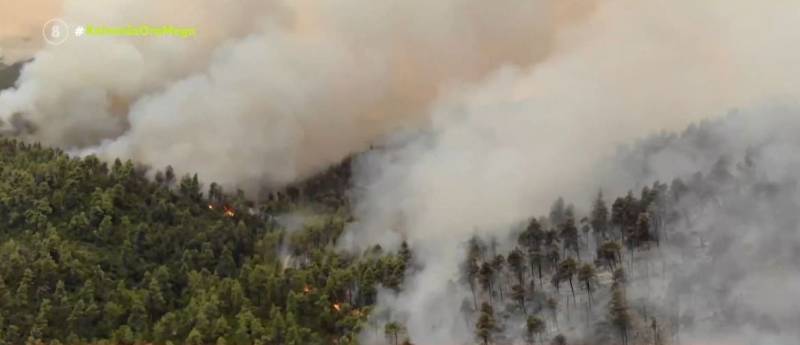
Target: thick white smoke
point(267, 91)
point(500, 152)
point(731, 254)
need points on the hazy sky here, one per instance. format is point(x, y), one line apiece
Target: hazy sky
point(21, 26)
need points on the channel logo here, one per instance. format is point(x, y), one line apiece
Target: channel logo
point(55, 31)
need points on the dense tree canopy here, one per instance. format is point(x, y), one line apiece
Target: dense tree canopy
point(90, 252)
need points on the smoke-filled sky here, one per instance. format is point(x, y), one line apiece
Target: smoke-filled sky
point(268, 91)
point(272, 91)
point(484, 111)
point(21, 26)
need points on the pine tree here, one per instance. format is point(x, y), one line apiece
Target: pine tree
point(531, 240)
point(23, 296)
point(609, 253)
point(486, 325)
point(472, 274)
point(599, 216)
point(517, 264)
point(534, 326)
point(587, 275)
point(498, 265)
point(194, 338)
point(619, 314)
point(40, 324)
point(570, 237)
point(406, 255)
point(486, 276)
point(393, 330)
point(567, 270)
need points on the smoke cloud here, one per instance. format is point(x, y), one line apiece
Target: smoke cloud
point(733, 249)
point(482, 113)
point(501, 151)
point(267, 92)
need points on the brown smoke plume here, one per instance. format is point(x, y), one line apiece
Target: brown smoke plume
point(269, 92)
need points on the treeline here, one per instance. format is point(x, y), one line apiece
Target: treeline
point(92, 252)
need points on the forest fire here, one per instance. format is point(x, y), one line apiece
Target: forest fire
point(337, 306)
point(227, 211)
point(307, 289)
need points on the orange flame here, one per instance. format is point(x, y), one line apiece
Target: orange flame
point(337, 307)
point(210, 207)
point(307, 289)
point(229, 212)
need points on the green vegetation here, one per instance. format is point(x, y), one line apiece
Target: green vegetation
point(92, 252)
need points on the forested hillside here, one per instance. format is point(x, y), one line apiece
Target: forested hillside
point(92, 252)
point(669, 262)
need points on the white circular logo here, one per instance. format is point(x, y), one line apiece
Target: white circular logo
point(55, 31)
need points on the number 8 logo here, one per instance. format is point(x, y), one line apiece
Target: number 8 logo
point(54, 31)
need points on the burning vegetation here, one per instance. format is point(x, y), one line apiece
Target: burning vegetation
point(227, 211)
